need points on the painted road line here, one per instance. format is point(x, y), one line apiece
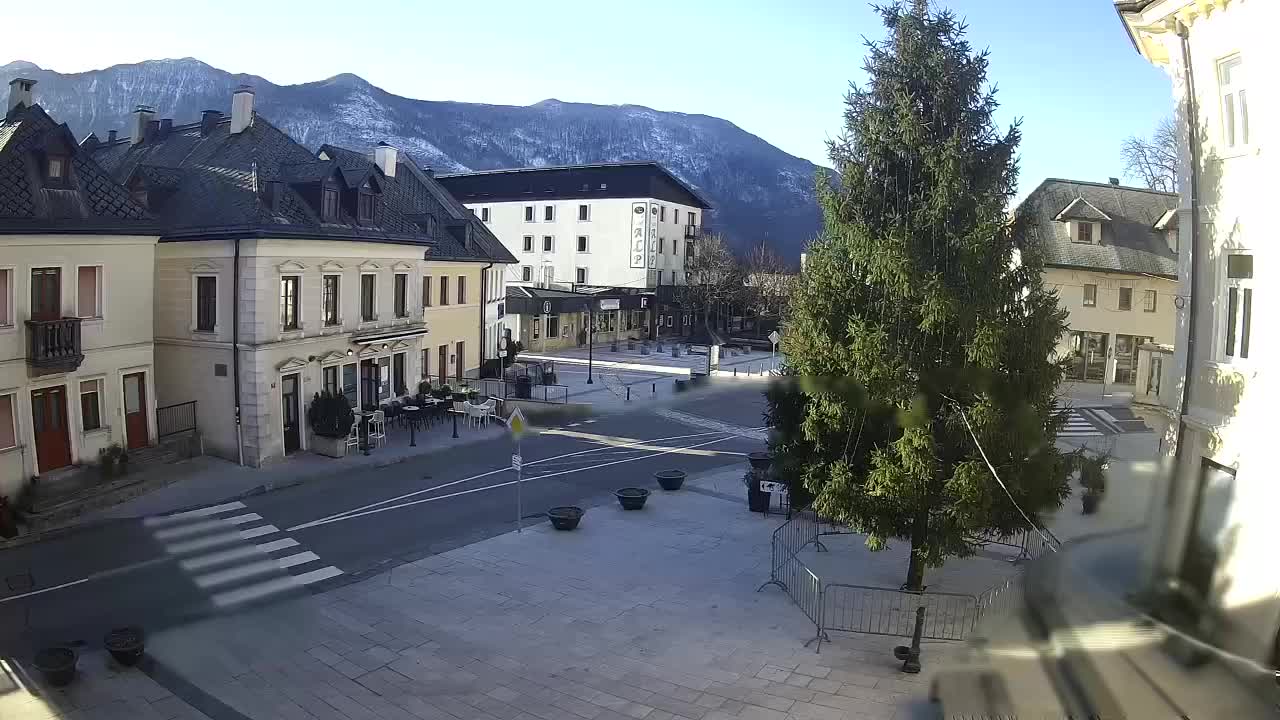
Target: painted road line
point(204, 543)
point(257, 591)
point(242, 519)
point(191, 514)
point(222, 557)
point(352, 516)
point(239, 572)
point(195, 528)
point(487, 474)
point(315, 576)
point(275, 545)
point(299, 559)
point(259, 531)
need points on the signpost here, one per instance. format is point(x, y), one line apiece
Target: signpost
point(516, 425)
point(774, 338)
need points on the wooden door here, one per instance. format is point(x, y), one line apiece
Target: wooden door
point(136, 434)
point(49, 423)
point(458, 363)
point(289, 412)
point(443, 364)
point(46, 293)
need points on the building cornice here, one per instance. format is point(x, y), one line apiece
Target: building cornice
point(1149, 23)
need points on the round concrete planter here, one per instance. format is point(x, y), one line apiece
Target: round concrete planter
point(565, 518)
point(125, 645)
point(57, 665)
point(631, 498)
point(670, 480)
point(760, 460)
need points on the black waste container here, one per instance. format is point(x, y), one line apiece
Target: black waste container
point(524, 387)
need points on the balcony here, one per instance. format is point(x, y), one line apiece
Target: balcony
point(692, 232)
point(54, 345)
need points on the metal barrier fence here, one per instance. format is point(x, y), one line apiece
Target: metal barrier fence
point(1030, 544)
point(174, 419)
point(506, 390)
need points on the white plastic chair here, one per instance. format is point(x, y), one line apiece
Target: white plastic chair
point(353, 436)
point(490, 409)
point(378, 428)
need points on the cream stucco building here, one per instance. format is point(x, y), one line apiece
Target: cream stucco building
point(77, 368)
point(281, 273)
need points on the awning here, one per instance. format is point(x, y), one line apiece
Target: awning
point(389, 334)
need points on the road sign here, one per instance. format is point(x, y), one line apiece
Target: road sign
point(774, 337)
point(516, 424)
point(546, 307)
point(771, 487)
point(516, 461)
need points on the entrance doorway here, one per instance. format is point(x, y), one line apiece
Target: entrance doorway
point(49, 423)
point(289, 413)
point(1089, 356)
point(135, 410)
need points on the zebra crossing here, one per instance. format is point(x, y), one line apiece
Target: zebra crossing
point(1078, 426)
point(234, 555)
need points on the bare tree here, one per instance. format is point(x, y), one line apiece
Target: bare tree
point(1154, 161)
point(714, 278)
point(768, 282)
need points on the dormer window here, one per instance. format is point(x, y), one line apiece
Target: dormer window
point(1084, 232)
point(364, 207)
point(56, 171)
point(329, 204)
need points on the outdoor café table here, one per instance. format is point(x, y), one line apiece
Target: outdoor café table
point(414, 412)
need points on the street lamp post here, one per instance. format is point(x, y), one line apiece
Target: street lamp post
point(591, 339)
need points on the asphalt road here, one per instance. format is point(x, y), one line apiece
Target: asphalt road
point(160, 572)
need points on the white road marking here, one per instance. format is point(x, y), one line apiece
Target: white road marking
point(323, 520)
point(239, 572)
point(242, 519)
point(353, 514)
point(190, 514)
point(274, 545)
point(323, 573)
point(258, 531)
point(254, 592)
point(220, 558)
point(300, 559)
point(203, 543)
point(182, 531)
point(44, 590)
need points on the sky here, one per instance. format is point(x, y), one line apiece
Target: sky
point(776, 69)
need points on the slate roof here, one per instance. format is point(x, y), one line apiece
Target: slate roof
point(263, 183)
point(1129, 241)
point(91, 202)
point(646, 179)
point(1081, 209)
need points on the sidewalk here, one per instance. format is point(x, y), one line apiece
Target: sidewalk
point(649, 615)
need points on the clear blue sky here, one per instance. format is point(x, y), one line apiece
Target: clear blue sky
point(777, 69)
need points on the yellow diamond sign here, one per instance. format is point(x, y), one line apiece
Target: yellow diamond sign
point(516, 424)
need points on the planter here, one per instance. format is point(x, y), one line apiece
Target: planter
point(459, 397)
point(125, 645)
point(675, 351)
point(328, 446)
point(631, 498)
point(57, 665)
point(613, 346)
point(681, 385)
point(670, 480)
point(1089, 503)
point(760, 460)
point(565, 518)
point(644, 349)
point(659, 346)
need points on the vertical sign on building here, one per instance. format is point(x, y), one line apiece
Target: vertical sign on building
point(653, 235)
point(639, 233)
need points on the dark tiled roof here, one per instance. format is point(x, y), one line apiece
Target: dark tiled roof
point(578, 182)
point(1081, 209)
point(93, 201)
point(1129, 242)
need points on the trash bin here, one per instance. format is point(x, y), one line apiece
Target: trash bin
point(757, 499)
point(524, 387)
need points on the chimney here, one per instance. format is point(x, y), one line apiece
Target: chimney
point(153, 130)
point(1114, 181)
point(19, 93)
point(111, 136)
point(384, 156)
point(166, 126)
point(141, 116)
point(209, 120)
point(241, 109)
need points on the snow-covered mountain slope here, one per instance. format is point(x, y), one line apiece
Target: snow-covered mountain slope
point(759, 191)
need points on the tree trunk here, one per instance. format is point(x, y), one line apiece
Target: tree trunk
point(919, 534)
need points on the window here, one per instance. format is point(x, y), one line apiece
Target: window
point(444, 291)
point(528, 243)
point(426, 291)
point(484, 214)
point(89, 292)
point(1235, 110)
point(548, 213)
point(397, 374)
point(526, 273)
point(349, 384)
point(582, 276)
point(693, 219)
point(1084, 232)
point(548, 242)
point(329, 379)
point(662, 246)
point(553, 326)
point(329, 205)
point(673, 277)
point(368, 297)
point(289, 285)
point(537, 327)
point(548, 275)
point(462, 289)
point(528, 213)
point(90, 405)
point(584, 213)
point(1148, 300)
point(6, 297)
point(364, 207)
point(1239, 318)
point(1208, 538)
point(442, 362)
point(57, 171)
point(676, 213)
point(688, 249)
point(206, 303)
point(582, 243)
point(401, 296)
point(1090, 295)
point(8, 427)
point(426, 364)
point(1125, 301)
point(662, 213)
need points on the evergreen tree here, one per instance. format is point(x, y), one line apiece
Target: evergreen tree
point(921, 313)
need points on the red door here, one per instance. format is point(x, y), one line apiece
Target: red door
point(135, 410)
point(49, 423)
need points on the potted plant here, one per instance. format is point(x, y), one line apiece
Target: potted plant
point(330, 417)
point(8, 518)
point(57, 665)
point(424, 387)
point(113, 460)
point(670, 480)
point(125, 645)
point(1093, 478)
point(442, 393)
point(631, 498)
point(473, 395)
point(565, 518)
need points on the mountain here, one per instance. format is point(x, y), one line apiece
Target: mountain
point(759, 192)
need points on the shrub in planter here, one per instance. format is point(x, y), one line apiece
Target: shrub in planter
point(514, 348)
point(57, 665)
point(1093, 478)
point(330, 417)
point(125, 645)
point(424, 387)
point(442, 393)
point(113, 460)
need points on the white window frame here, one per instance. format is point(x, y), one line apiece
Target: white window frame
point(301, 305)
point(1084, 296)
point(543, 245)
point(408, 306)
point(527, 246)
point(102, 409)
point(100, 301)
point(1151, 306)
point(360, 308)
point(526, 273)
point(1235, 132)
point(580, 275)
point(545, 208)
point(530, 213)
point(13, 418)
point(338, 319)
point(588, 207)
point(582, 247)
point(9, 324)
point(1224, 314)
point(1120, 295)
point(195, 302)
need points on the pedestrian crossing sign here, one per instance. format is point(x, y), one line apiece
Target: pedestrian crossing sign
point(516, 424)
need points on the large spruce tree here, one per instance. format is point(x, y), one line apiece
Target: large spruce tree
point(921, 306)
